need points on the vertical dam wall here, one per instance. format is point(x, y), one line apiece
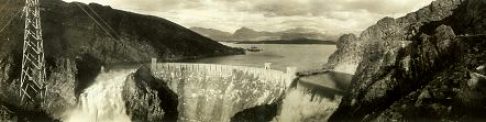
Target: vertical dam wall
point(210, 92)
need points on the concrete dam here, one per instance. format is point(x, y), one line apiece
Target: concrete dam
point(199, 93)
point(209, 92)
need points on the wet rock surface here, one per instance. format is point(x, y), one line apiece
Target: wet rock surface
point(88, 67)
point(426, 67)
point(260, 113)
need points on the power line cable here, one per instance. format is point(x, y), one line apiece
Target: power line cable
point(107, 31)
point(103, 21)
point(9, 22)
point(6, 4)
point(96, 21)
point(3, 7)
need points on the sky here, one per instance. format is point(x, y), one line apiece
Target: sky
point(325, 16)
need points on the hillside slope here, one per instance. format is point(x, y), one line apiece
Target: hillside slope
point(77, 45)
point(68, 31)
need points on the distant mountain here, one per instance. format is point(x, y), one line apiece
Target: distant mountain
point(292, 41)
point(301, 30)
point(245, 34)
point(299, 33)
point(212, 33)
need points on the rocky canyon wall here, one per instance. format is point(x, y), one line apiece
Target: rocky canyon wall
point(427, 65)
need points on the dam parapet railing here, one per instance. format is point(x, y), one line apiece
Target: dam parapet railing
point(218, 70)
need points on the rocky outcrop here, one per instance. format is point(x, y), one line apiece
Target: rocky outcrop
point(260, 113)
point(77, 46)
point(427, 66)
point(347, 56)
point(149, 99)
point(61, 92)
point(88, 67)
point(386, 37)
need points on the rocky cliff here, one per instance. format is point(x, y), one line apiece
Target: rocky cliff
point(79, 39)
point(386, 36)
point(347, 56)
point(428, 65)
point(149, 99)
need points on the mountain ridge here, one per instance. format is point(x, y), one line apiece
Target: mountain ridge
point(245, 34)
point(212, 33)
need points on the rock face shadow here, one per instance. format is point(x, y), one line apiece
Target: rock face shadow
point(159, 92)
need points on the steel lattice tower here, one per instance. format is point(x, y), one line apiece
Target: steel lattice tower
point(33, 74)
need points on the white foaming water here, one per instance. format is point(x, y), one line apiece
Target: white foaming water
point(346, 68)
point(298, 106)
point(102, 101)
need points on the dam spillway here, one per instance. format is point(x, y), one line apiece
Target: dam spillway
point(201, 93)
point(209, 92)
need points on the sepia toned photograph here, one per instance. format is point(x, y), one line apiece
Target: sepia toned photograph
point(242, 60)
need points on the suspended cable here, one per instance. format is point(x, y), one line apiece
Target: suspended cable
point(3, 7)
point(96, 21)
point(6, 4)
point(103, 21)
point(104, 28)
point(9, 22)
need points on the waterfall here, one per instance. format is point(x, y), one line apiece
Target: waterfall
point(102, 101)
point(301, 105)
point(215, 93)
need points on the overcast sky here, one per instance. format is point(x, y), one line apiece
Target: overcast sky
point(327, 16)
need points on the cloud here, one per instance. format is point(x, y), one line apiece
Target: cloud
point(329, 16)
point(324, 7)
